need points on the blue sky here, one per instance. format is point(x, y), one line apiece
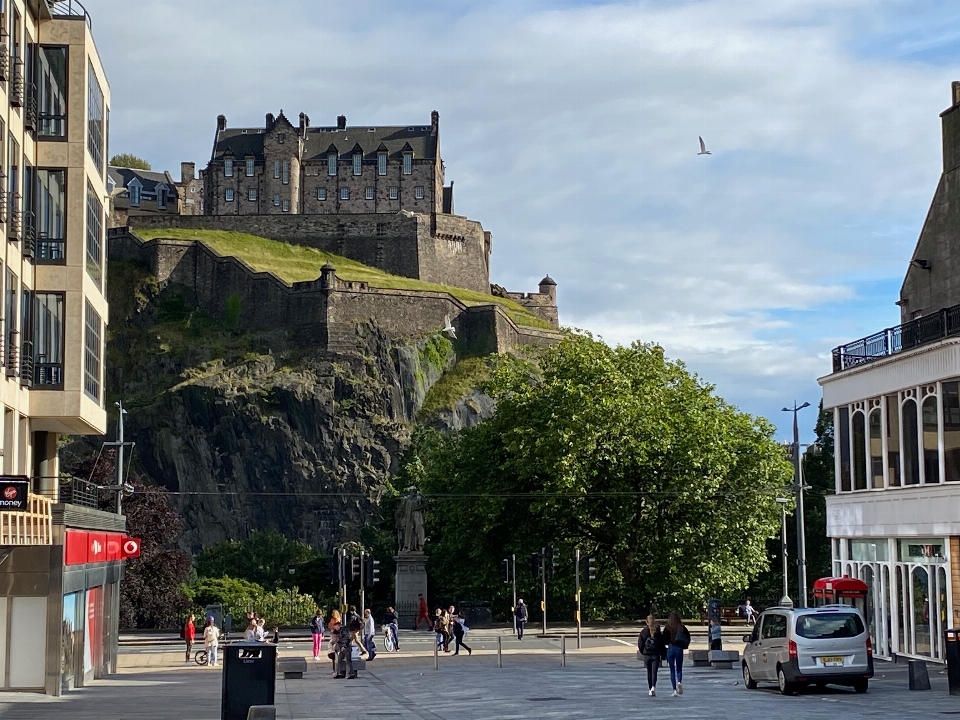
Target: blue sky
point(570, 130)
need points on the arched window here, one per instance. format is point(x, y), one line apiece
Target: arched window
point(892, 409)
point(876, 449)
point(931, 445)
point(859, 452)
point(911, 441)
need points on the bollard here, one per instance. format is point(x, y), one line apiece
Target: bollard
point(563, 651)
point(499, 651)
point(436, 656)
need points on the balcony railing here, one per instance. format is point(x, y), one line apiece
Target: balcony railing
point(30, 107)
point(921, 331)
point(47, 374)
point(31, 527)
point(29, 234)
point(79, 492)
point(26, 363)
point(68, 8)
point(16, 84)
point(13, 353)
point(4, 59)
point(50, 251)
point(52, 125)
point(15, 225)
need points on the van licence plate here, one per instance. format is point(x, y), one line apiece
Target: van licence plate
point(831, 661)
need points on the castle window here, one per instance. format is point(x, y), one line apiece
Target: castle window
point(357, 163)
point(394, 193)
point(370, 193)
point(229, 195)
point(381, 229)
point(134, 195)
point(228, 168)
point(344, 193)
point(286, 206)
point(408, 163)
point(418, 192)
point(249, 167)
point(381, 163)
point(276, 169)
point(321, 193)
point(161, 198)
point(276, 201)
point(331, 164)
point(285, 179)
point(252, 194)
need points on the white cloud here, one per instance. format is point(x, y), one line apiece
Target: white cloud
point(571, 133)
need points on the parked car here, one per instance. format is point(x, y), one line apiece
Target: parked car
point(797, 647)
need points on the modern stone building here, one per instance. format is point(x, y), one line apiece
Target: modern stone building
point(895, 396)
point(58, 624)
point(282, 168)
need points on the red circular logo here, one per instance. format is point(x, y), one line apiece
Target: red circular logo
point(10, 493)
point(131, 546)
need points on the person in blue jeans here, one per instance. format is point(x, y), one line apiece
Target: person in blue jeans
point(520, 613)
point(677, 639)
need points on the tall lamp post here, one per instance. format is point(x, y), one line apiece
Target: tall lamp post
point(798, 484)
point(785, 600)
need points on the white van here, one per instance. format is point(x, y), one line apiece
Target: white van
point(796, 647)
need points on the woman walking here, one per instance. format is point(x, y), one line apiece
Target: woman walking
point(189, 634)
point(458, 633)
point(316, 630)
point(677, 639)
point(653, 649)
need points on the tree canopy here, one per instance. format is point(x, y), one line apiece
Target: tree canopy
point(129, 161)
point(615, 451)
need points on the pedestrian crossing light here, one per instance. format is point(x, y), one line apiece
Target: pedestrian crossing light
point(591, 569)
point(354, 567)
point(371, 569)
point(534, 565)
point(554, 562)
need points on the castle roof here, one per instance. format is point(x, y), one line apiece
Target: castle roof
point(548, 281)
point(243, 142)
point(148, 179)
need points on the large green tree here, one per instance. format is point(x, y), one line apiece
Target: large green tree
point(129, 161)
point(615, 451)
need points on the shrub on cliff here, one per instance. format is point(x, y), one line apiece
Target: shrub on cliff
point(615, 451)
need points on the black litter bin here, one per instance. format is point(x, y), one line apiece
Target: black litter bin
point(713, 610)
point(953, 659)
point(249, 678)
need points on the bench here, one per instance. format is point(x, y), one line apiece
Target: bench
point(262, 712)
point(723, 659)
point(700, 658)
point(292, 668)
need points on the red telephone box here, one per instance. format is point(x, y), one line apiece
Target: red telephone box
point(841, 591)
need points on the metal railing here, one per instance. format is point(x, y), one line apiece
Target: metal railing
point(4, 59)
point(921, 331)
point(30, 107)
point(26, 363)
point(16, 84)
point(50, 251)
point(52, 125)
point(13, 353)
point(15, 225)
point(34, 526)
point(29, 234)
point(79, 492)
point(48, 374)
point(68, 8)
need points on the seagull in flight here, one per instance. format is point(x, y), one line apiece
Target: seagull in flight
point(703, 148)
point(448, 327)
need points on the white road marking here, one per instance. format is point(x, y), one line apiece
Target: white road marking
point(622, 642)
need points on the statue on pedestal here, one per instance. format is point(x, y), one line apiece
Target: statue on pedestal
point(410, 530)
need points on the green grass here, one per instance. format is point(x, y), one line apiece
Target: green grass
point(297, 263)
point(460, 380)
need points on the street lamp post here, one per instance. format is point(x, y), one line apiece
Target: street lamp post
point(783, 547)
point(798, 484)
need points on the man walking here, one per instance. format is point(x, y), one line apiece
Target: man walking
point(520, 613)
point(369, 634)
point(423, 613)
point(391, 621)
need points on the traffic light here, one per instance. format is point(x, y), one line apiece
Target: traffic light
point(534, 565)
point(371, 571)
point(354, 567)
point(591, 569)
point(554, 562)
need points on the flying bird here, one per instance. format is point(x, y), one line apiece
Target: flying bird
point(703, 148)
point(448, 327)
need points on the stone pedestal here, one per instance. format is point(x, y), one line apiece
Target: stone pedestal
point(411, 581)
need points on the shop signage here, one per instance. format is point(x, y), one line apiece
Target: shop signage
point(13, 493)
point(82, 547)
point(131, 548)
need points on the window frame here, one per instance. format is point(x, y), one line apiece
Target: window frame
point(394, 192)
point(419, 193)
point(228, 195)
point(285, 172)
point(321, 194)
point(92, 352)
point(276, 169)
point(93, 243)
point(56, 366)
point(285, 206)
point(276, 200)
point(251, 194)
point(370, 193)
point(408, 163)
point(228, 167)
point(344, 193)
point(249, 167)
point(381, 163)
point(358, 163)
point(331, 164)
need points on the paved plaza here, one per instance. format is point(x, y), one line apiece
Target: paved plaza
point(603, 681)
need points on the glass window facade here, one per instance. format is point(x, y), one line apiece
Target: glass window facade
point(94, 228)
point(892, 416)
point(93, 329)
point(876, 449)
point(859, 451)
point(51, 214)
point(48, 339)
point(931, 444)
point(95, 111)
point(911, 442)
point(950, 397)
point(51, 81)
point(843, 447)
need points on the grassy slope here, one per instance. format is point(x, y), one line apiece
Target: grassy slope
point(296, 263)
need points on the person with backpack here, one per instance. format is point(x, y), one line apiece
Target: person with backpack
point(676, 637)
point(188, 633)
point(653, 650)
point(520, 613)
point(316, 631)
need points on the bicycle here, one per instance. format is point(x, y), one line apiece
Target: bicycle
point(201, 656)
point(388, 642)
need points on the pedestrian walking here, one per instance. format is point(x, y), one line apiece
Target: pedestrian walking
point(369, 634)
point(351, 617)
point(316, 631)
point(458, 632)
point(716, 642)
point(391, 620)
point(250, 634)
point(521, 615)
point(346, 639)
point(276, 635)
point(261, 633)
point(441, 626)
point(676, 636)
point(211, 641)
point(189, 634)
point(335, 624)
point(653, 650)
point(423, 613)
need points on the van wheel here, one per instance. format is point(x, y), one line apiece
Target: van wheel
point(748, 678)
point(786, 688)
point(860, 686)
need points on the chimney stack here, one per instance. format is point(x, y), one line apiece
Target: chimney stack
point(269, 121)
point(188, 172)
point(304, 124)
point(341, 122)
point(955, 87)
point(434, 122)
point(221, 123)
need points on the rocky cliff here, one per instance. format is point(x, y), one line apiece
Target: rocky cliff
point(257, 430)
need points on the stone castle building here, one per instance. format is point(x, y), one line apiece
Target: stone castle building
point(302, 170)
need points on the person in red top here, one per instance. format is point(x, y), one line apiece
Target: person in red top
point(423, 613)
point(189, 635)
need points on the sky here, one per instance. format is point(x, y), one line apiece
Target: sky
point(570, 130)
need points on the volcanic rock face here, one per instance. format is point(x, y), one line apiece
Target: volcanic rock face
point(255, 431)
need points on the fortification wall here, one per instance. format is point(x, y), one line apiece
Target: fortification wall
point(456, 251)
